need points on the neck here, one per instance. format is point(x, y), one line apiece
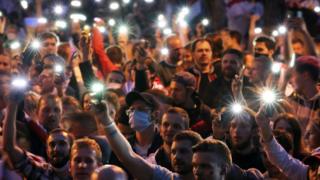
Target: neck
point(188, 176)
point(167, 148)
point(245, 150)
point(189, 104)
point(310, 91)
point(145, 137)
point(171, 62)
point(204, 69)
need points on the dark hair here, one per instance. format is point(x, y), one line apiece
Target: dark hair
point(115, 54)
point(295, 131)
point(265, 62)
point(70, 100)
point(188, 135)
point(215, 147)
point(284, 139)
point(48, 35)
point(270, 44)
point(119, 73)
point(201, 40)
point(308, 64)
point(234, 52)
point(59, 130)
point(236, 35)
point(86, 119)
point(48, 97)
point(216, 44)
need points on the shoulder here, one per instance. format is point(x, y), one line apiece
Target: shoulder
point(161, 173)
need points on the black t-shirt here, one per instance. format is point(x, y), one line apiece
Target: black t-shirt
point(251, 160)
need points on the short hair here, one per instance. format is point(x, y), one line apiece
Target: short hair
point(236, 35)
point(270, 44)
point(236, 52)
point(115, 54)
point(308, 64)
point(297, 40)
point(90, 144)
point(248, 115)
point(181, 112)
point(48, 97)
point(48, 35)
point(188, 135)
point(217, 148)
point(119, 73)
point(169, 38)
point(201, 40)
point(86, 119)
point(59, 130)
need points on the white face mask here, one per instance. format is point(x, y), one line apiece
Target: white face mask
point(139, 120)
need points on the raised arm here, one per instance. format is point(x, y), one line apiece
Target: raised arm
point(137, 166)
point(15, 153)
point(290, 166)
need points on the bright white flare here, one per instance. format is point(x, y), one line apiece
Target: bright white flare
point(282, 29)
point(58, 68)
point(112, 22)
point(236, 108)
point(123, 29)
point(268, 96)
point(19, 83)
point(276, 67)
point(258, 30)
point(15, 45)
point(24, 4)
point(97, 87)
point(165, 51)
point(58, 9)
point(76, 3)
point(61, 24)
point(35, 44)
point(114, 6)
point(275, 33)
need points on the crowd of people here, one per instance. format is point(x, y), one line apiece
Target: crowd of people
point(191, 104)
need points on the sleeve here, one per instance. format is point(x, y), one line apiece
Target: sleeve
point(87, 73)
point(98, 48)
point(141, 81)
point(161, 173)
point(290, 166)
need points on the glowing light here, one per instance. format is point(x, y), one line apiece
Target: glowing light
point(1, 14)
point(114, 5)
point(317, 9)
point(61, 24)
point(15, 45)
point(102, 29)
point(236, 108)
point(58, 68)
point(148, 1)
point(293, 60)
point(165, 51)
point(35, 44)
point(275, 33)
point(42, 20)
point(76, 3)
point(185, 11)
point(161, 17)
point(98, 1)
point(268, 96)
point(276, 67)
point(123, 29)
point(126, 1)
point(19, 82)
point(97, 87)
point(58, 9)
point(167, 31)
point(112, 22)
point(205, 22)
point(257, 30)
point(282, 29)
point(162, 24)
point(24, 4)
point(183, 24)
point(78, 17)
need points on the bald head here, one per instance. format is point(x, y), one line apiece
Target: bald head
point(110, 172)
point(175, 48)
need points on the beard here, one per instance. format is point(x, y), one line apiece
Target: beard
point(58, 163)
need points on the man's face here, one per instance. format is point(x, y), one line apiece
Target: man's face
point(298, 48)
point(83, 163)
point(240, 133)
point(226, 39)
point(255, 73)
point(312, 140)
point(178, 92)
point(202, 54)
point(46, 80)
point(175, 50)
point(298, 81)
point(5, 63)
point(187, 59)
point(49, 113)
point(171, 124)
point(48, 46)
point(58, 149)
point(4, 86)
point(230, 65)
point(87, 102)
point(181, 156)
point(261, 48)
point(205, 167)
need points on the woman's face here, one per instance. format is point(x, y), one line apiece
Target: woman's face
point(312, 139)
point(86, 102)
point(284, 126)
